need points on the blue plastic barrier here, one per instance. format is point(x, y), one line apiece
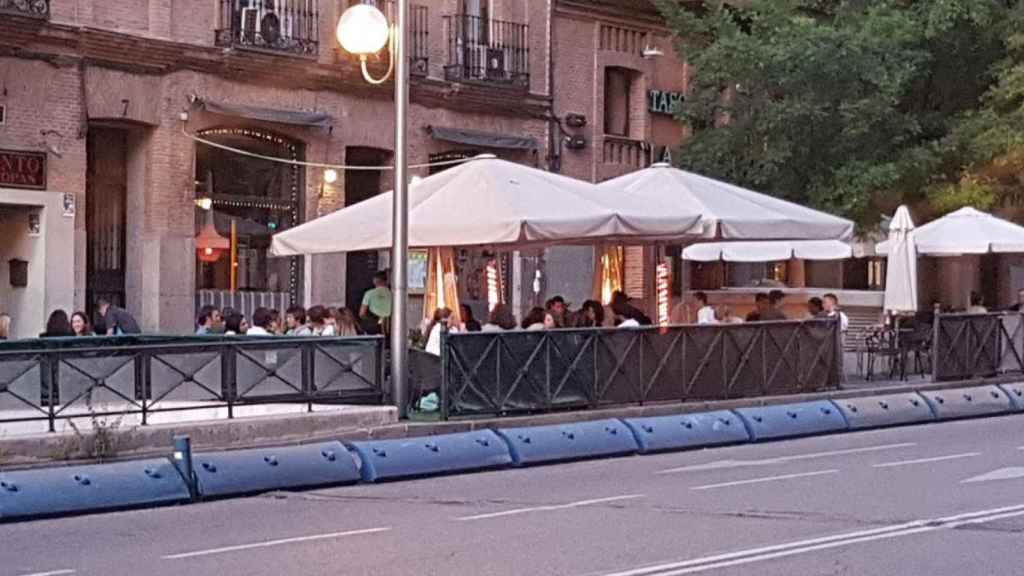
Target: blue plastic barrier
point(541, 444)
point(1016, 393)
point(424, 456)
point(788, 420)
point(968, 402)
point(91, 488)
point(265, 469)
point(681, 431)
point(888, 410)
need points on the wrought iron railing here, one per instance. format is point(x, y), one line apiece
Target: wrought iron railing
point(486, 50)
point(968, 346)
point(531, 371)
point(30, 8)
point(72, 378)
point(291, 26)
point(626, 151)
point(419, 33)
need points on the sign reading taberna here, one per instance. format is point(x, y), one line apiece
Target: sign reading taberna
point(19, 169)
point(663, 101)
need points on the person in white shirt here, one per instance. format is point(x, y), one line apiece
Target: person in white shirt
point(261, 322)
point(831, 302)
point(705, 313)
point(977, 305)
point(433, 331)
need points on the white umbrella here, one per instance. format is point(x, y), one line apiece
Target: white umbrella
point(966, 231)
point(901, 268)
point(727, 211)
point(487, 202)
point(768, 251)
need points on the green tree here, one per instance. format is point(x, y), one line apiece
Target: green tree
point(846, 105)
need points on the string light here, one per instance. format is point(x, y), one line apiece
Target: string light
point(493, 285)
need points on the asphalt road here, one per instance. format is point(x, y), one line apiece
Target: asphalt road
point(942, 499)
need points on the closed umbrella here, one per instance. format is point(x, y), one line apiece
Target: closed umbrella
point(901, 265)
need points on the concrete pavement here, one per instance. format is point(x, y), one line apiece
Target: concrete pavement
point(937, 499)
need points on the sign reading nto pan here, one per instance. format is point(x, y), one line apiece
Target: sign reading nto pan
point(20, 169)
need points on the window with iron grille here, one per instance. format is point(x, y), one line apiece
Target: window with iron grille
point(291, 26)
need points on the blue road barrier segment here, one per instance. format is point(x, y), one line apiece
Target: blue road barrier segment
point(90, 488)
point(429, 455)
point(682, 431)
point(257, 470)
point(968, 402)
point(887, 410)
point(543, 444)
point(1016, 393)
point(789, 420)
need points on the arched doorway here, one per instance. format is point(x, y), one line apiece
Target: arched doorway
point(250, 199)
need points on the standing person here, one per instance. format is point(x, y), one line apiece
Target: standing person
point(815, 307)
point(499, 319)
point(295, 320)
point(705, 313)
point(760, 307)
point(117, 320)
point(534, 319)
point(207, 321)
point(262, 322)
point(235, 324)
point(58, 325)
point(345, 324)
point(80, 324)
point(471, 323)
point(376, 306)
point(831, 303)
point(774, 311)
point(5, 327)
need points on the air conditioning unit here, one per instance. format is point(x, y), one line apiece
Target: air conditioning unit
point(495, 64)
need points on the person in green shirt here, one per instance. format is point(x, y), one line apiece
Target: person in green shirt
point(376, 306)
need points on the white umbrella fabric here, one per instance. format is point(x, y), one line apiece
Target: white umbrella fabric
point(966, 231)
point(768, 251)
point(487, 202)
point(727, 212)
point(901, 265)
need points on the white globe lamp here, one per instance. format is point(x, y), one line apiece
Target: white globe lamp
point(363, 30)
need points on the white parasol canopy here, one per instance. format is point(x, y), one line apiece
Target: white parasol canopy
point(901, 266)
point(768, 251)
point(487, 202)
point(966, 231)
point(727, 211)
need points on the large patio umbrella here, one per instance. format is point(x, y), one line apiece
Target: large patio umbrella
point(488, 202)
point(966, 231)
point(768, 251)
point(727, 212)
point(901, 265)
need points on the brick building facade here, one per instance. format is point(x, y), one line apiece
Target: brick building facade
point(103, 89)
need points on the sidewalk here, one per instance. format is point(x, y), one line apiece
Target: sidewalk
point(349, 423)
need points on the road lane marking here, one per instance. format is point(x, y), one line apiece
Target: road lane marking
point(270, 543)
point(764, 479)
point(1011, 473)
point(548, 508)
point(823, 542)
point(51, 573)
point(724, 464)
point(926, 460)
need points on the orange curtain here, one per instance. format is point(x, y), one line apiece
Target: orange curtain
point(441, 261)
point(608, 276)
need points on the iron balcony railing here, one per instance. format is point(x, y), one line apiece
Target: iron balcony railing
point(534, 371)
point(486, 50)
point(30, 8)
point(291, 26)
point(138, 377)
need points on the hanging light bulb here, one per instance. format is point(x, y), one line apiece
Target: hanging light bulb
point(330, 176)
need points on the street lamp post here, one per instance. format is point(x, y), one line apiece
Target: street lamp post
point(364, 30)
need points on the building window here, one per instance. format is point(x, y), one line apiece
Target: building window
point(250, 200)
point(280, 25)
point(618, 88)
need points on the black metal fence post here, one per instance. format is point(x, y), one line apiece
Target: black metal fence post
point(445, 369)
point(229, 377)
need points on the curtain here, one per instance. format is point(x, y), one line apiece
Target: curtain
point(608, 277)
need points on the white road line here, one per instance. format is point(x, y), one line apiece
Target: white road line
point(548, 508)
point(269, 543)
point(51, 573)
point(781, 459)
point(809, 545)
point(926, 460)
point(764, 479)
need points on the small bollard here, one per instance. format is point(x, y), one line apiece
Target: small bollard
point(183, 462)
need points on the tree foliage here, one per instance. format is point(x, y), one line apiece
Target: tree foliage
point(854, 106)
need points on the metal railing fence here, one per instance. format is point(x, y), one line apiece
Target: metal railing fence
point(967, 346)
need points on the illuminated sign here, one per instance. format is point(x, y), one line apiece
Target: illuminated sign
point(23, 169)
point(664, 102)
point(663, 286)
point(493, 285)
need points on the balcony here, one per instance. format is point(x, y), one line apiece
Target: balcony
point(626, 151)
point(30, 8)
point(419, 26)
point(487, 51)
point(288, 26)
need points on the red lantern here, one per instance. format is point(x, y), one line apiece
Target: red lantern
point(209, 244)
